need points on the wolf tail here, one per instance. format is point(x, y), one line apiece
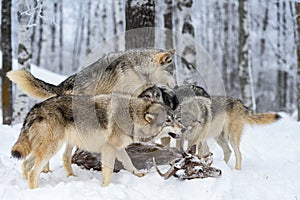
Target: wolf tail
point(22, 147)
point(32, 85)
point(254, 118)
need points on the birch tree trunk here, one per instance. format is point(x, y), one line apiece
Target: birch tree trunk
point(61, 16)
point(298, 57)
point(6, 48)
point(26, 14)
point(139, 16)
point(168, 24)
point(243, 54)
point(185, 46)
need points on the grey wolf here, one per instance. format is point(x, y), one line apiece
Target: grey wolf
point(228, 119)
point(119, 72)
point(104, 124)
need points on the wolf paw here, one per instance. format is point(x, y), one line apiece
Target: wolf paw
point(139, 173)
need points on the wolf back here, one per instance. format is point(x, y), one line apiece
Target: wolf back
point(119, 71)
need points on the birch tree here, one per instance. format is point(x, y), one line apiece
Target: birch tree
point(139, 16)
point(185, 46)
point(26, 12)
point(243, 54)
point(298, 57)
point(168, 24)
point(6, 48)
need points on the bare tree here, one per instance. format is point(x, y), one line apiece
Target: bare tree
point(185, 46)
point(298, 57)
point(26, 13)
point(140, 14)
point(168, 23)
point(60, 11)
point(6, 48)
point(243, 54)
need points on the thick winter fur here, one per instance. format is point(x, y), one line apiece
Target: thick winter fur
point(120, 71)
point(229, 117)
point(104, 123)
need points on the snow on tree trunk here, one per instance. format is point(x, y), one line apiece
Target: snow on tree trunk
point(139, 14)
point(6, 48)
point(243, 54)
point(184, 45)
point(26, 14)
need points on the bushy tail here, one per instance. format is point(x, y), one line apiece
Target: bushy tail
point(254, 118)
point(33, 86)
point(22, 147)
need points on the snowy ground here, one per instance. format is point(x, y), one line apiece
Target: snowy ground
point(271, 170)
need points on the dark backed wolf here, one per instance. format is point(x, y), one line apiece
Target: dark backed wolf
point(228, 119)
point(121, 71)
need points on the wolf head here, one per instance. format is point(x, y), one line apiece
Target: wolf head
point(153, 65)
point(160, 94)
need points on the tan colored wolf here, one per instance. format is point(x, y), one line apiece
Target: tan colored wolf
point(119, 71)
point(226, 123)
point(125, 72)
point(103, 123)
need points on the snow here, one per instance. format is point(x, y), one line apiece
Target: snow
point(270, 170)
point(271, 161)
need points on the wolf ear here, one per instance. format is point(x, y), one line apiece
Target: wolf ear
point(150, 117)
point(165, 57)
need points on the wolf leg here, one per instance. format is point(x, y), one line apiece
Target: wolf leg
point(46, 168)
point(235, 144)
point(40, 161)
point(108, 156)
point(223, 142)
point(203, 149)
point(67, 160)
point(27, 165)
point(123, 156)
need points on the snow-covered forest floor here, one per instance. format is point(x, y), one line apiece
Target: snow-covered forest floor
point(271, 162)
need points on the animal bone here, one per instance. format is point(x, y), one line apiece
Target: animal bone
point(190, 166)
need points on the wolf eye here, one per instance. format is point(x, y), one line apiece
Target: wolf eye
point(169, 120)
point(179, 119)
point(147, 97)
point(167, 59)
point(157, 96)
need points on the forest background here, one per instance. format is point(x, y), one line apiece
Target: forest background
point(242, 48)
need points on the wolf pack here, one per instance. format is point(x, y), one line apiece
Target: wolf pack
point(123, 98)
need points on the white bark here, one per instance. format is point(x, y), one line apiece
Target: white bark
point(244, 66)
point(26, 14)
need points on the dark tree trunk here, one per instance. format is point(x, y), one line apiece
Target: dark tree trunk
point(6, 48)
point(168, 19)
point(139, 16)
